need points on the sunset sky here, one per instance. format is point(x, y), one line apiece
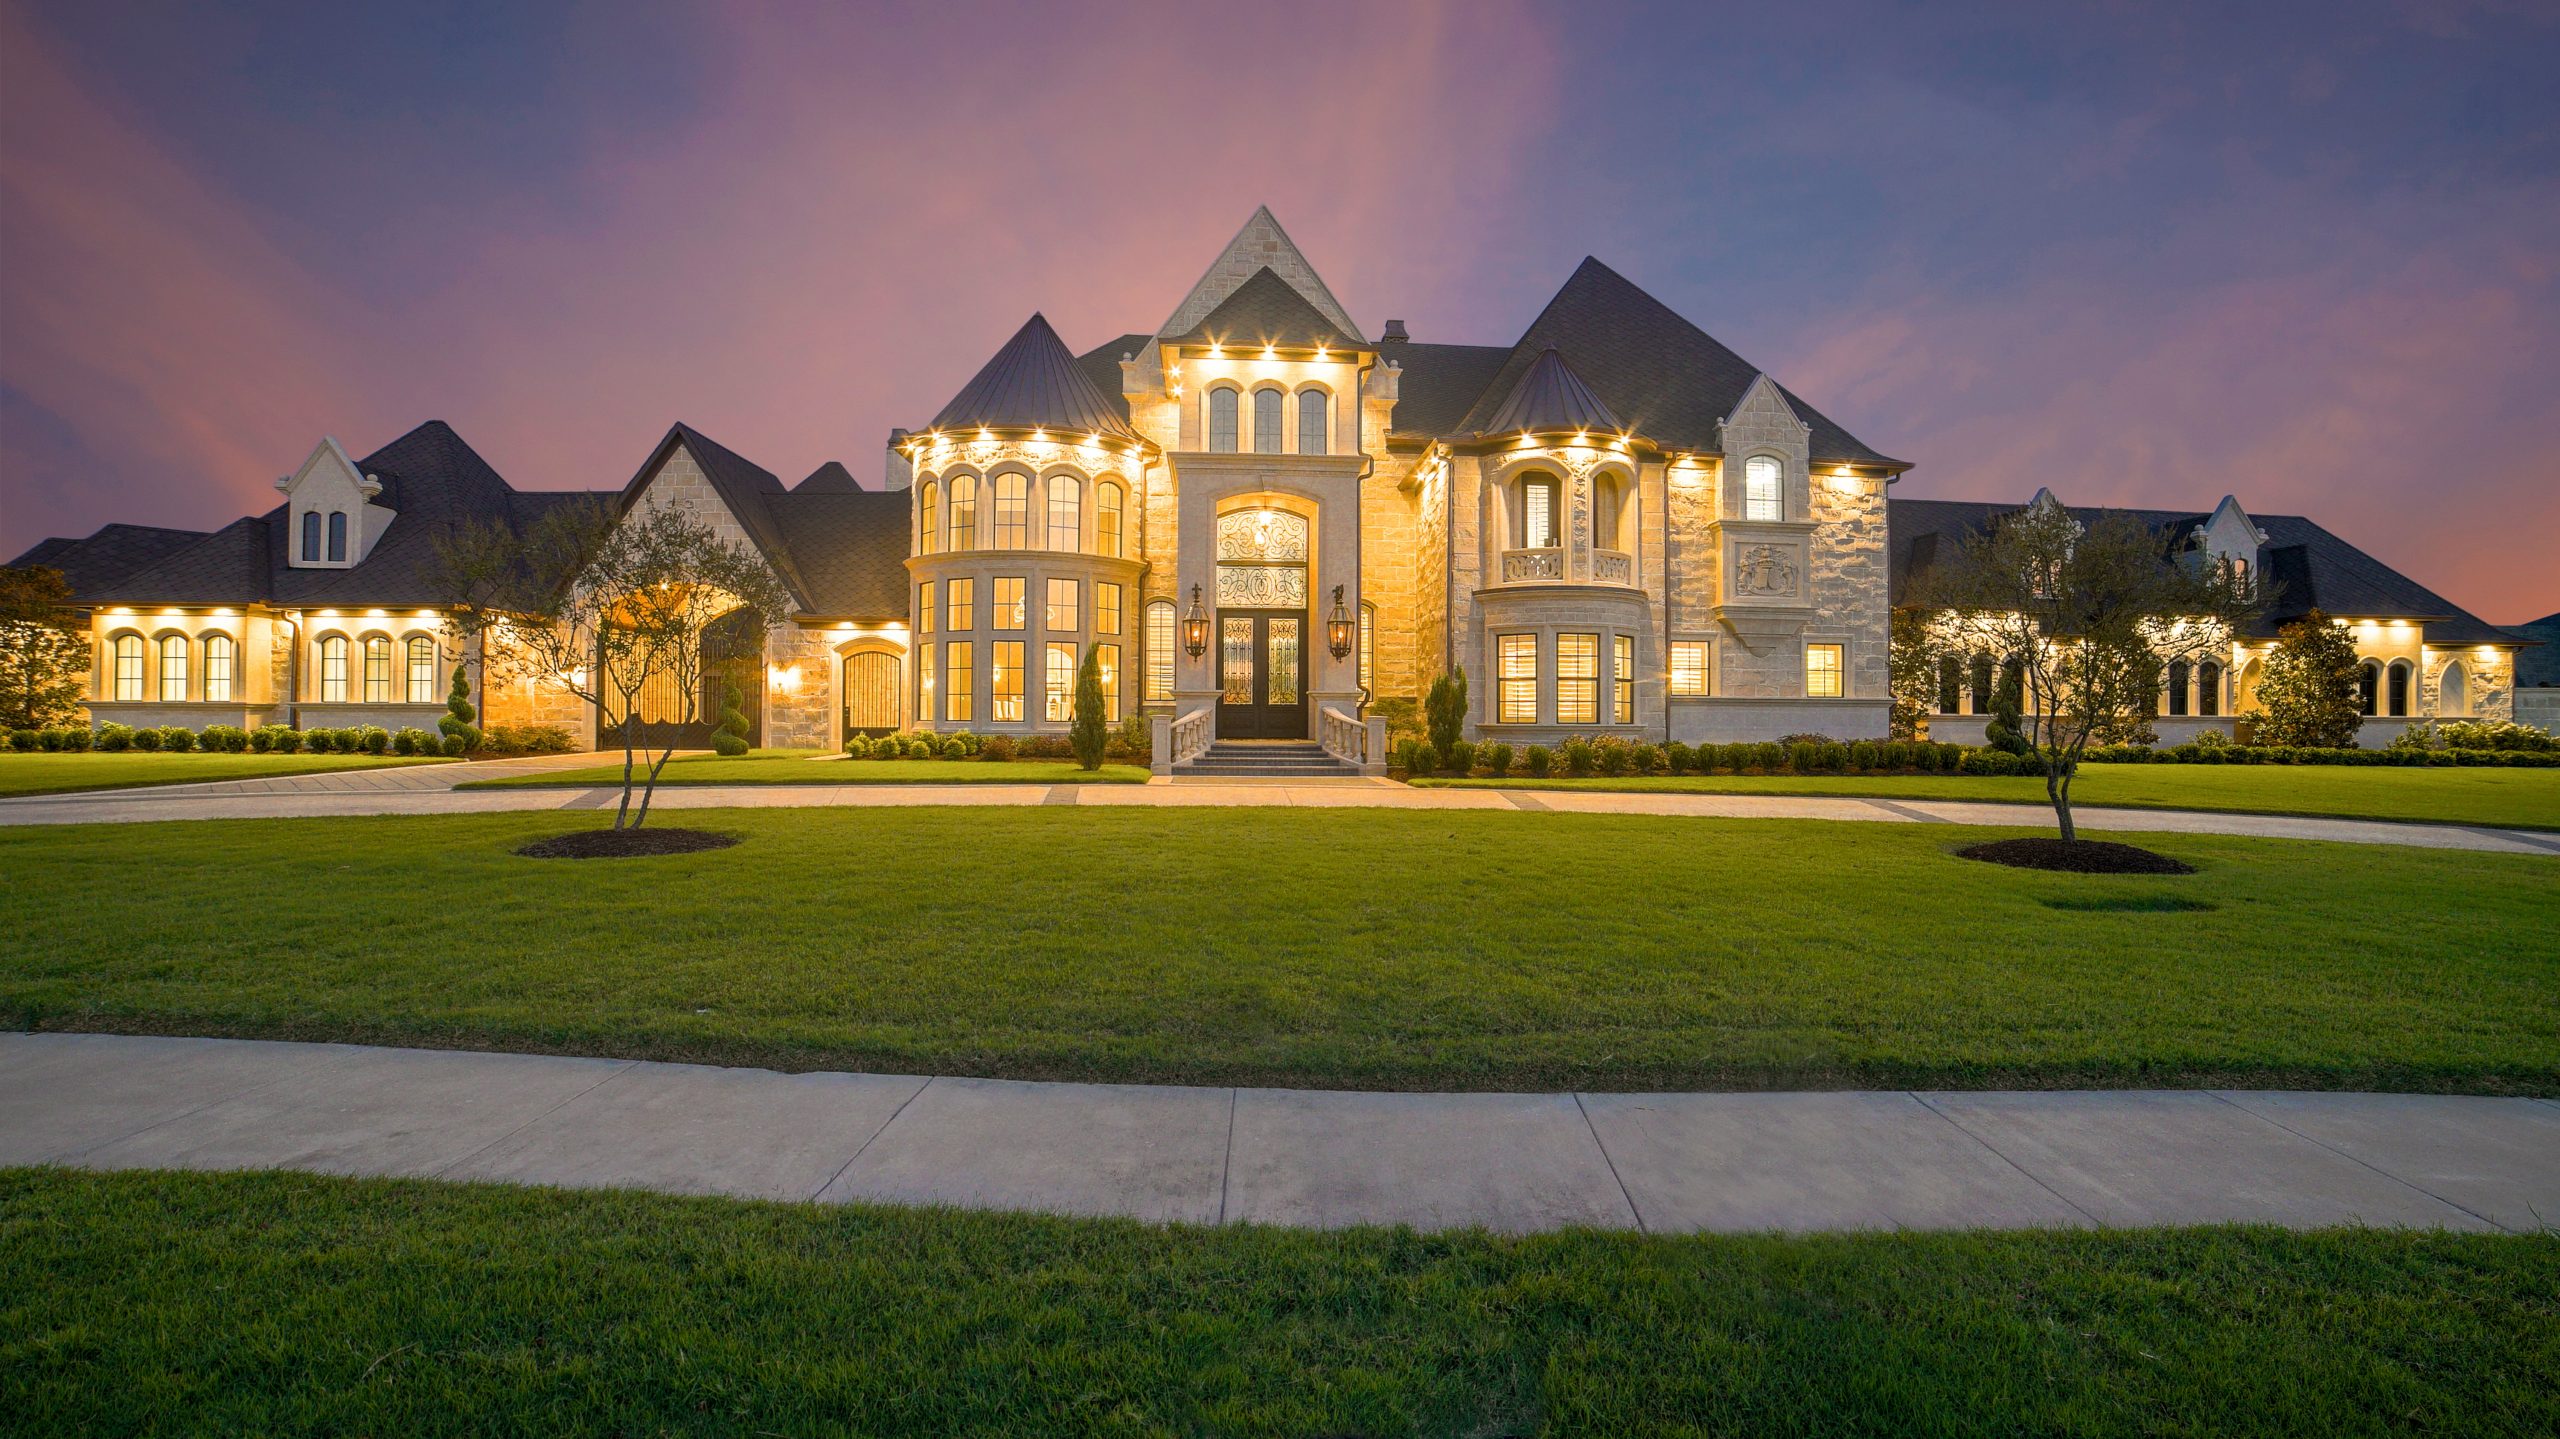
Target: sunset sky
point(2137, 253)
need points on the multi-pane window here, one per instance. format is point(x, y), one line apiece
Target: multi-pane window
point(1106, 608)
point(1688, 667)
point(1004, 687)
point(1160, 650)
point(1222, 421)
point(1516, 679)
point(1060, 696)
point(422, 670)
point(338, 535)
point(2180, 674)
point(1008, 603)
point(1538, 513)
point(1950, 686)
point(964, 512)
point(1266, 422)
point(1066, 513)
point(333, 669)
point(1577, 679)
point(1107, 660)
point(924, 681)
point(926, 618)
point(1822, 672)
point(2209, 690)
point(1622, 678)
point(959, 679)
point(2399, 691)
point(377, 670)
point(1062, 604)
point(1311, 423)
point(1013, 511)
point(928, 518)
point(173, 667)
point(310, 535)
point(1107, 501)
point(1369, 647)
point(1763, 495)
point(963, 612)
point(129, 665)
point(2369, 688)
point(221, 664)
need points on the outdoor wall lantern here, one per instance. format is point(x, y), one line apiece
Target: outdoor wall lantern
point(1337, 627)
point(1195, 627)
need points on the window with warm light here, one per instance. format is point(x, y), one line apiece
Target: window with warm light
point(1688, 669)
point(1222, 421)
point(221, 663)
point(963, 609)
point(1008, 604)
point(1606, 497)
point(333, 669)
point(1107, 660)
point(1368, 647)
point(1159, 678)
point(1312, 410)
point(2181, 675)
point(173, 668)
point(1516, 679)
point(1013, 511)
point(1066, 513)
point(959, 679)
point(422, 670)
point(1577, 679)
point(928, 517)
point(1763, 489)
point(1622, 679)
point(1059, 696)
point(2208, 688)
point(1106, 608)
point(128, 673)
point(1004, 684)
point(1266, 421)
point(926, 618)
point(964, 512)
point(1062, 604)
point(924, 681)
point(1822, 672)
point(1538, 512)
point(1107, 502)
point(377, 670)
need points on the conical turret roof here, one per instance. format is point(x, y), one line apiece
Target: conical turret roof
point(1550, 396)
point(1033, 383)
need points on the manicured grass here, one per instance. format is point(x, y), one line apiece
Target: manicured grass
point(62, 773)
point(804, 766)
point(291, 1304)
point(2516, 798)
point(1321, 948)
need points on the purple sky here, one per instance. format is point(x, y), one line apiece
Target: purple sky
point(2139, 253)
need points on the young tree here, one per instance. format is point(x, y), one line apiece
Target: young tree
point(44, 656)
point(2092, 613)
point(625, 630)
point(1091, 730)
point(1912, 674)
point(1445, 712)
point(2309, 694)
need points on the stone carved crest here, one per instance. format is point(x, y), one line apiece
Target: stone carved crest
point(1764, 570)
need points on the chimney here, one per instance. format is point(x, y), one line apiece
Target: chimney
point(1394, 333)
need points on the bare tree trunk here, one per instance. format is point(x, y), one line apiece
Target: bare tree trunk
point(630, 720)
point(651, 792)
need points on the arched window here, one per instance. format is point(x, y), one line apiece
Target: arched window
point(333, 669)
point(2399, 687)
point(1312, 436)
point(337, 535)
point(1066, 513)
point(2453, 690)
point(2246, 702)
point(1763, 489)
point(1107, 500)
point(964, 512)
point(2180, 675)
point(173, 668)
point(1013, 511)
point(1950, 686)
point(1222, 421)
point(928, 518)
point(310, 535)
point(128, 667)
point(422, 670)
point(221, 664)
point(1160, 650)
point(1607, 495)
point(2369, 687)
point(1534, 511)
point(377, 669)
point(2208, 688)
point(1981, 684)
point(1266, 421)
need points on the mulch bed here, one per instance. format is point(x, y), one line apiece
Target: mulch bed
point(2078, 856)
point(625, 843)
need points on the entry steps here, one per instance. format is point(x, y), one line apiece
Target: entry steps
point(1264, 759)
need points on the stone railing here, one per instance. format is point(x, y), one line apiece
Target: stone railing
point(1523, 566)
point(1360, 743)
point(1613, 567)
point(1178, 740)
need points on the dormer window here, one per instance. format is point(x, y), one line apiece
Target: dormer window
point(1763, 495)
point(310, 536)
point(337, 536)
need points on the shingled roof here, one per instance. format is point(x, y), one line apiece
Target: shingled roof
point(108, 555)
point(2304, 566)
point(1266, 310)
point(1550, 397)
point(1033, 383)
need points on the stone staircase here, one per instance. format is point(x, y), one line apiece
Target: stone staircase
point(1264, 759)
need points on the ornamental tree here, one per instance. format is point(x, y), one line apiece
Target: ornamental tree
point(44, 656)
point(2309, 694)
point(2092, 613)
point(1444, 712)
point(1091, 730)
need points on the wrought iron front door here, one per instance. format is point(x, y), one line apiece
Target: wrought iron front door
point(1262, 674)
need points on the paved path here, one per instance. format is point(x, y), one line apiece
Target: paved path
point(429, 789)
point(1519, 1162)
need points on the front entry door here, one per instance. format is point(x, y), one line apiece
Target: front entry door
point(1262, 674)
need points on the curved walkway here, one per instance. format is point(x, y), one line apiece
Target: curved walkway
point(429, 789)
point(1520, 1162)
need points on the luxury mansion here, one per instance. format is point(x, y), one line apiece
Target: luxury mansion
point(1262, 518)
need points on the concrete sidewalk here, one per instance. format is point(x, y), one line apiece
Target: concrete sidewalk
point(1519, 1162)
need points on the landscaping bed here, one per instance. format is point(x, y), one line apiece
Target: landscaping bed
point(1380, 949)
point(786, 766)
point(64, 773)
point(295, 1304)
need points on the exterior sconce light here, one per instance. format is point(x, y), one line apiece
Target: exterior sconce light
point(1195, 627)
point(1337, 628)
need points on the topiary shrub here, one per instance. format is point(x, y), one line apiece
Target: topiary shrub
point(411, 740)
point(920, 748)
point(146, 739)
point(952, 747)
point(857, 745)
point(1989, 761)
point(1676, 758)
point(1497, 759)
point(461, 736)
point(1541, 760)
point(227, 739)
point(374, 739)
point(1579, 757)
point(1865, 756)
point(115, 738)
point(57, 740)
point(78, 741)
point(729, 741)
point(1769, 757)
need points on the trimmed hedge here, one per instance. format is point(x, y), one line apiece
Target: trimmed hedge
point(1611, 755)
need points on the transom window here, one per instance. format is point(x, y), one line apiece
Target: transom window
point(1008, 604)
point(1066, 513)
point(422, 670)
point(1062, 604)
point(1312, 438)
point(173, 667)
point(1262, 560)
point(1222, 421)
point(1013, 511)
point(1266, 422)
point(1516, 679)
point(220, 663)
point(1577, 679)
point(1688, 668)
point(1763, 489)
point(1822, 672)
point(128, 667)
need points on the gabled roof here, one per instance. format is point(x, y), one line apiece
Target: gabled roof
point(1439, 384)
point(1264, 310)
point(1550, 396)
point(743, 486)
point(107, 555)
point(1033, 383)
point(2305, 566)
point(829, 478)
point(849, 549)
point(1668, 380)
point(1259, 245)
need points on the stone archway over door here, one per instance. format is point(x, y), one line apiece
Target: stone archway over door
point(1262, 632)
point(870, 692)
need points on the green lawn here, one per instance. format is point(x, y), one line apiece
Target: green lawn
point(293, 1304)
point(1358, 949)
point(61, 773)
point(2518, 798)
point(801, 766)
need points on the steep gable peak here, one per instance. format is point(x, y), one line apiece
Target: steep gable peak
point(1260, 244)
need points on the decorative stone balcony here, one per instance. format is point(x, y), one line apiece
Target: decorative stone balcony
point(1546, 566)
point(1613, 567)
